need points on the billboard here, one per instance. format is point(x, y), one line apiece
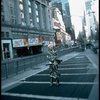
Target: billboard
point(59, 35)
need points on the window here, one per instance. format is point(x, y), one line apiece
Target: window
point(2, 34)
point(23, 23)
point(2, 9)
point(21, 0)
point(37, 19)
point(2, 18)
point(7, 34)
point(22, 15)
point(36, 6)
point(30, 10)
point(31, 23)
point(37, 13)
point(21, 6)
point(29, 3)
point(12, 10)
point(22, 12)
point(13, 20)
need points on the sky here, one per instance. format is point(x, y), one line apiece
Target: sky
point(76, 10)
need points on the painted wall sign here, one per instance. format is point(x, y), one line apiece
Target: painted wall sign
point(31, 41)
point(18, 42)
point(25, 42)
point(59, 35)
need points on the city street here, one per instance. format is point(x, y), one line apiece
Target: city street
point(46, 40)
point(78, 81)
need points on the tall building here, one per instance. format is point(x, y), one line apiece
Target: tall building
point(67, 17)
point(67, 20)
point(57, 4)
point(61, 36)
point(90, 20)
point(26, 27)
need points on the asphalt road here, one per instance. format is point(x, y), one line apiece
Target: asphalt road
point(76, 82)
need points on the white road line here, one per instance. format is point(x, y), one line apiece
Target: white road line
point(77, 68)
point(80, 57)
point(37, 82)
point(69, 74)
point(18, 80)
point(40, 96)
point(69, 56)
point(67, 64)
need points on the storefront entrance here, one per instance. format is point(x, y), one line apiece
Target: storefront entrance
point(6, 49)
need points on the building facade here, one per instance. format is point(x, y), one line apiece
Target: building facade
point(26, 27)
point(61, 36)
point(90, 20)
point(67, 16)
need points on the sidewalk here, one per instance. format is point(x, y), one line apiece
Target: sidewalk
point(94, 58)
point(11, 82)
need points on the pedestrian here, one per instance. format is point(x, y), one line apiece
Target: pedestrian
point(53, 65)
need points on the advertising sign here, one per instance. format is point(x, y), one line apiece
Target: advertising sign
point(31, 41)
point(35, 41)
point(46, 43)
point(68, 37)
point(59, 35)
point(18, 42)
point(25, 42)
point(40, 40)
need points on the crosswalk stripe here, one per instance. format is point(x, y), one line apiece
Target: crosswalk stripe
point(76, 68)
point(37, 82)
point(69, 74)
point(41, 96)
point(65, 64)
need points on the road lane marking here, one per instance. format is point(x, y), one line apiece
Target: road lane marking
point(17, 79)
point(40, 96)
point(80, 57)
point(74, 64)
point(77, 68)
point(76, 83)
point(69, 74)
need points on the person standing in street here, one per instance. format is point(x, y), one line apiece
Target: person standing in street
point(53, 65)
